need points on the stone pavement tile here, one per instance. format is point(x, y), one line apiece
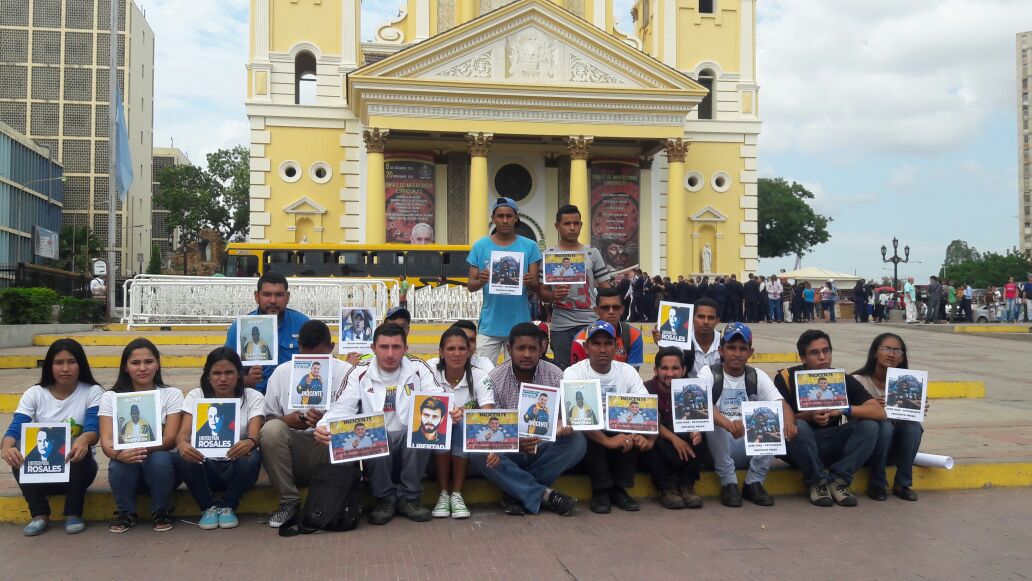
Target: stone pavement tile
point(974, 534)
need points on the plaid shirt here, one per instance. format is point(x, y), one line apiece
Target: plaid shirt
point(507, 387)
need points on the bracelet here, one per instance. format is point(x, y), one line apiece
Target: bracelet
point(253, 441)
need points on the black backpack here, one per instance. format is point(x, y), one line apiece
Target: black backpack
point(718, 382)
point(333, 502)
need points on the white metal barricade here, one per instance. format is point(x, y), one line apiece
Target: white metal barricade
point(444, 303)
point(198, 300)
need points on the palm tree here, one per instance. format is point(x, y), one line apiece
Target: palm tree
point(78, 245)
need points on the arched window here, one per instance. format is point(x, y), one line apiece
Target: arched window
point(708, 80)
point(304, 78)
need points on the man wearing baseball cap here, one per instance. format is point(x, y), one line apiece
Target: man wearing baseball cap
point(611, 457)
point(733, 382)
point(500, 313)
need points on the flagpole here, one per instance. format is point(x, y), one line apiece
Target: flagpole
point(112, 148)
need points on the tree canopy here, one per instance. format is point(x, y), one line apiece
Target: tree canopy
point(215, 198)
point(989, 269)
point(958, 252)
point(787, 223)
point(78, 245)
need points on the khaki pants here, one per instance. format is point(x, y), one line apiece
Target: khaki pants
point(289, 457)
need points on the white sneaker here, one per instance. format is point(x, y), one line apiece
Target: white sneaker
point(458, 506)
point(443, 508)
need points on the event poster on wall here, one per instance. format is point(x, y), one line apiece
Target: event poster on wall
point(615, 211)
point(410, 198)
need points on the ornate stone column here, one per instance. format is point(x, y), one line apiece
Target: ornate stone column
point(579, 148)
point(676, 235)
point(376, 190)
point(478, 144)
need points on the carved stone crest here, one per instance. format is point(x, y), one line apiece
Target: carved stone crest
point(530, 54)
point(582, 71)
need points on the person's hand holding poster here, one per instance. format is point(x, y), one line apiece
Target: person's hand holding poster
point(906, 391)
point(538, 411)
point(138, 418)
point(635, 414)
point(582, 403)
point(430, 424)
point(691, 405)
point(764, 428)
point(506, 273)
point(44, 449)
point(490, 431)
point(675, 325)
point(310, 380)
point(357, 437)
point(821, 389)
point(565, 267)
point(356, 330)
point(215, 428)
point(257, 339)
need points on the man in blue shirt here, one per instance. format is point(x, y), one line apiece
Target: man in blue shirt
point(1026, 292)
point(272, 297)
point(500, 313)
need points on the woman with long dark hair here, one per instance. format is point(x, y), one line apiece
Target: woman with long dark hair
point(898, 440)
point(141, 470)
point(234, 475)
point(466, 384)
point(66, 393)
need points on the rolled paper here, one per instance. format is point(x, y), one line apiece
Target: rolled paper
point(933, 461)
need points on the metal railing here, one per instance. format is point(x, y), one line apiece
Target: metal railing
point(444, 303)
point(198, 300)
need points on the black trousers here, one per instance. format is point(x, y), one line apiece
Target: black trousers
point(81, 476)
point(608, 468)
point(668, 470)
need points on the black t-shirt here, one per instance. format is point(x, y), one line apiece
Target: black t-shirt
point(855, 392)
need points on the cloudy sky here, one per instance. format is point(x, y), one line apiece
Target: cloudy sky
point(899, 116)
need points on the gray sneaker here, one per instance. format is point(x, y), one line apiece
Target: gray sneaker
point(820, 495)
point(287, 510)
point(414, 510)
point(842, 494)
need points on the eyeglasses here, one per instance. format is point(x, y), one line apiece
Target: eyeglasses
point(892, 350)
point(610, 307)
point(816, 352)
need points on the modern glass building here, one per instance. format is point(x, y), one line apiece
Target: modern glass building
point(31, 196)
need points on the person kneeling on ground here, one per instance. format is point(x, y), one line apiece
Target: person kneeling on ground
point(827, 450)
point(526, 478)
point(673, 460)
point(733, 382)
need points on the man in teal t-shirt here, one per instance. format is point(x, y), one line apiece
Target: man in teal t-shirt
point(500, 313)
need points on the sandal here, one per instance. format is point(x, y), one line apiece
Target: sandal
point(123, 522)
point(161, 522)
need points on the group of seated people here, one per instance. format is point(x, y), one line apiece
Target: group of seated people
point(828, 447)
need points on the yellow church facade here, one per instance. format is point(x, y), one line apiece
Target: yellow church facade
point(650, 130)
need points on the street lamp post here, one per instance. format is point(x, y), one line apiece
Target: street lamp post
point(895, 260)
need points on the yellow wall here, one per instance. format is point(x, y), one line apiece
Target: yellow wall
point(708, 37)
point(305, 145)
point(318, 24)
point(708, 159)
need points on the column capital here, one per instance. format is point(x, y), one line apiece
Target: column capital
point(479, 144)
point(375, 139)
point(579, 146)
point(676, 149)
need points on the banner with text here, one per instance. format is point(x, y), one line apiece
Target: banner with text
point(615, 211)
point(410, 198)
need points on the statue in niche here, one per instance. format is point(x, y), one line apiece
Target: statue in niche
point(707, 259)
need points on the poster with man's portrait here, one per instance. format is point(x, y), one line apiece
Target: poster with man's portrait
point(906, 391)
point(357, 438)
point(310, 381)
point(430, 424)
point(675, 325)
point(215, 428)
point(506, 273)
point(764, 428)
point(634, 414)
point(44, 450)
point(137, 420)
point(582, 403)
point(356, 330)
point(257, 341)
point(490, 431)
point(538, 407)
point(691, 405)
point(565, 267)
point(821, 389)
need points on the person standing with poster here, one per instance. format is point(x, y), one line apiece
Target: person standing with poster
point(501, 312)
point(272, 296)
point(573, 306)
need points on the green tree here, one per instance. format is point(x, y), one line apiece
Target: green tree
point(78, 245)
point(958, 252)
point(787, 223)
point(154, 266)
point(215, 198)
point(989, 269)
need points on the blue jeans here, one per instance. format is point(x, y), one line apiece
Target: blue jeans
point(898, 441)
point(526, 476)
point(729, 453)
point(775, 310)
point(833, 453)
point(1012, 310)
point(157, 475)
point(231, 477)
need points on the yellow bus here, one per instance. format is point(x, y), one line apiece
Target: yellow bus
point(426, 264)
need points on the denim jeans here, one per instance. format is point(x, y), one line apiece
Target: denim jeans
point(829, 307)
point(823, 454)
point(80, 476)
point(408, 463)
point(729, 454)
point(1012, 310)
point(898, 441)
point(562, 344)
point(157, 475)
point(526, 476)
point(775, 310)
point(231, 477)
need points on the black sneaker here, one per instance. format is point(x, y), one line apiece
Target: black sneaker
point(669, 498)
point(687, 492)
point(559, 503)
point(730, 496)
point(622, 500)
point(878, 493)
point(383, 513)
point(600, 503)
point(904, 492)
point(511, 506)
point(842, 494)
point(414, 510)
point(820, 495)
point(758, 494)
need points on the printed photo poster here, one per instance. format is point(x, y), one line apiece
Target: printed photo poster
point(357, 438)
point(356, 330)
point(506, 273)
point(565, 267)
point(538, 405)
point(257, 339)
point(635, 414)
point(615, 211)
point(582, 403)
point(764, 428)
point(906, 391)
point(137, 419)
point(45, 447)
point(410, 203)
point(691, 402)
point(215, 428)
point(311, 377)
point(430, 424)
point(490, 431)
point(821, 389)
point(676, 327)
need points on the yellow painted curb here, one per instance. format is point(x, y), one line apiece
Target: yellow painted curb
point(100, 361)
point(956, 389)
point(992, 329)
point(158, 339)
point(9, 402)
point(774, 358)
point(262, 499)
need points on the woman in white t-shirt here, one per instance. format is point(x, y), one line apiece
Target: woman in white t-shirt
point(68, 394)
point(234, 475)
point(141, 470)
point(468, 388)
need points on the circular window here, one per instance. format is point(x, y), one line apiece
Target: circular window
point(721, 181)
point(320, 172)
point(290, 171)
point(693, 181)
point(513, 181)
